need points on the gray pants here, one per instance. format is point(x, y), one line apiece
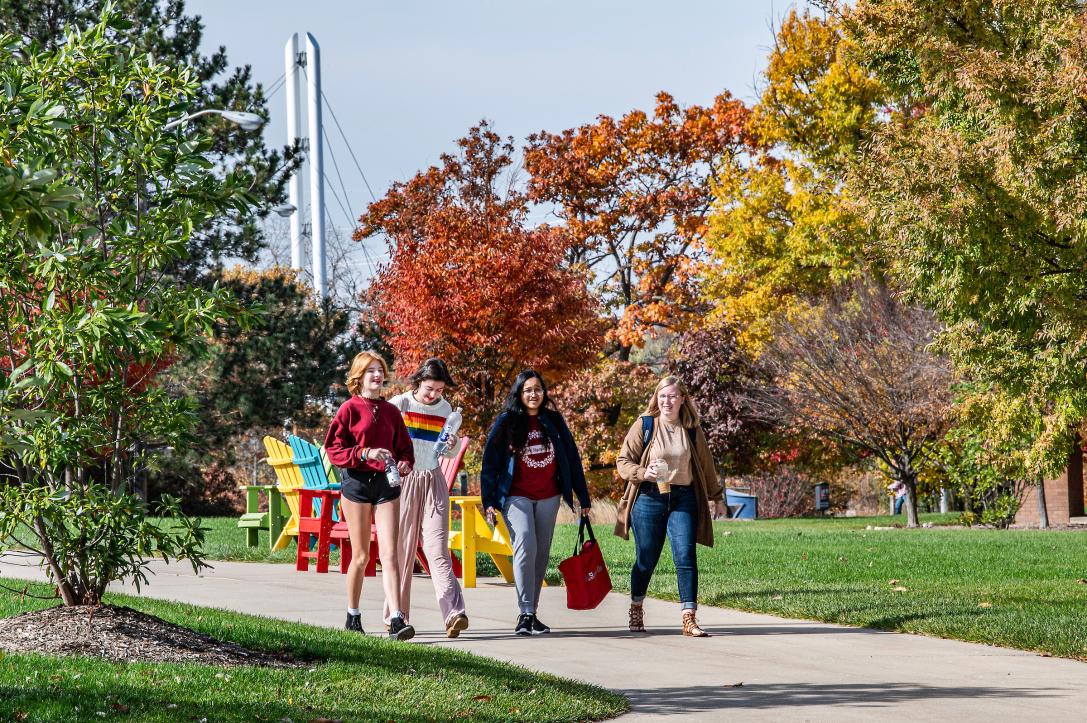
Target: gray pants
point(531, 524)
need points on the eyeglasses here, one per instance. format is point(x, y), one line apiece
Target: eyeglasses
point(669, 397)
point(532, 392)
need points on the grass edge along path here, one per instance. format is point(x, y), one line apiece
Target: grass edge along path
point(350, 678)
point(1021, 589)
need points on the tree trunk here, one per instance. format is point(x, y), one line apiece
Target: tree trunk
point(945, 500)
point(64, 587)
point(911, 499)
point(1043, 514)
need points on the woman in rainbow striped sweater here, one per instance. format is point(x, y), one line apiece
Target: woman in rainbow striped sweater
point(424, 499)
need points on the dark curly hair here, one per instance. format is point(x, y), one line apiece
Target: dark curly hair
point(433, 369)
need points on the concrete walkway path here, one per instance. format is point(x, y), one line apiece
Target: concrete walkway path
point(756, 667)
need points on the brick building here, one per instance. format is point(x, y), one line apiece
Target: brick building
point(1063, 496)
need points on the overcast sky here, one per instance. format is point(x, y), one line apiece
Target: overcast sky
point(406, 78)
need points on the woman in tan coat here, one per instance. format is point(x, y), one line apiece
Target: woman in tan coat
point(671, 481)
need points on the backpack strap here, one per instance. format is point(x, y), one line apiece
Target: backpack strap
point(647, 430)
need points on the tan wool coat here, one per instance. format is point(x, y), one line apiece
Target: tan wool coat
point(634, 458)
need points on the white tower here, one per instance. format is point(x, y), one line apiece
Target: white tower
point(292, 64)
point(312, 143)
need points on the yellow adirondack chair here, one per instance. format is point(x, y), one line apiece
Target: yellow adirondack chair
point(475, 535)
point(289, 477)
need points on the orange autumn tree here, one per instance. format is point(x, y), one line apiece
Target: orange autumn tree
point(634, 194)
point(470, 282)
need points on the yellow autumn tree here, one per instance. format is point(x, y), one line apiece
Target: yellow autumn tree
point(782, 230)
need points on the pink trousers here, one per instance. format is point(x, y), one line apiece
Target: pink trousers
point(424, 510)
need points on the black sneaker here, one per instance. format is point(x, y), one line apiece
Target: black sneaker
point(524, 625)
point(354, 622)
point(539, 628)
point(400, 630)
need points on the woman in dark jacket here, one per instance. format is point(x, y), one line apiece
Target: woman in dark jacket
point(530, 463)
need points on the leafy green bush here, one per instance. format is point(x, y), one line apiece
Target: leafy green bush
point(97, 199)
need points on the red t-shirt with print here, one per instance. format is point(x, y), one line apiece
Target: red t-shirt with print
point(535, 472)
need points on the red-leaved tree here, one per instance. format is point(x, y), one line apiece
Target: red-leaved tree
point(470, 282)
point(634, 193)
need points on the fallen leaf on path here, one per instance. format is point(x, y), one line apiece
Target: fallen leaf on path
point(736, 685)
point(1046, 655)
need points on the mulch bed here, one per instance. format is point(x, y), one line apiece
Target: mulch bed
point(123, 635)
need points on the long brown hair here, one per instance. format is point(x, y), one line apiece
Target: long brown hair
point(688, 412)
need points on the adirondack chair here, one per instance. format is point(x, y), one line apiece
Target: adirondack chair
point(281, 459)
point(311, 464)
point(331, 472)
point(253, 521)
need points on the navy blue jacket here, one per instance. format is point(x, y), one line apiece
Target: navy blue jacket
point(496, 477)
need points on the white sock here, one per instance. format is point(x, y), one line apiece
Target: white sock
point(352, 611)
point(397, 614)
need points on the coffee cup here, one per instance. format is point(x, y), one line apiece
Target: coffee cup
point(661, 468)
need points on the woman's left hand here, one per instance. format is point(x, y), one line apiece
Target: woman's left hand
point(404, 468)
point(720, 510)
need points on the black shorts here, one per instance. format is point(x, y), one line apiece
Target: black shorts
point(366, 486)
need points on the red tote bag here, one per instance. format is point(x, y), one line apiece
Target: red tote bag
point(585, 574)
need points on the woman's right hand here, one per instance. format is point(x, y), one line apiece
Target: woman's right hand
point(650, 474)
point(378, 454)
point(489, 513)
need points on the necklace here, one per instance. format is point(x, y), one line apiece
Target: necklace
point(373, 406)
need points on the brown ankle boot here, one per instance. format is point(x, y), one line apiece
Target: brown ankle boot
point(690, 626)
point(637, 621)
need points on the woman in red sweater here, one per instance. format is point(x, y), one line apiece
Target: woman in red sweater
point(366, 437)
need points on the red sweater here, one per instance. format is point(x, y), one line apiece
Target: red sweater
point(356, 426)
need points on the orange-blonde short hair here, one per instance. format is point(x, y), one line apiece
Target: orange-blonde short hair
point(359, 365)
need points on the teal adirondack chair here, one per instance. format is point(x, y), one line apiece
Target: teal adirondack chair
point(311, 462)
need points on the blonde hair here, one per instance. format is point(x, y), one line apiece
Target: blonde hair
point(688, 413)
point(359, 365)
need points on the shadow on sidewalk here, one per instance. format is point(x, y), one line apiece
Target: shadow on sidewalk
point(612, 631)
point(681, 701)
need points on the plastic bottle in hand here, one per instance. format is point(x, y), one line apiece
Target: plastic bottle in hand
point(392, 473)
point(448, 437)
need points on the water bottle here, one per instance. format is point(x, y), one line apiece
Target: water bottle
point(448, 437)
point(392, 473)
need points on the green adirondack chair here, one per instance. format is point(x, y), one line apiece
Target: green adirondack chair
point(275, 518)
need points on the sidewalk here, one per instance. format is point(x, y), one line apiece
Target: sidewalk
point(790, 669)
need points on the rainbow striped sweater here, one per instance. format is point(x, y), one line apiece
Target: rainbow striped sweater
point(424, 423)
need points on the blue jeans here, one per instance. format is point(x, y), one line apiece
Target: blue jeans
point(653, 516)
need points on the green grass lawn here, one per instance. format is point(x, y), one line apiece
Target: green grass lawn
point(1017, 588)
point(352, 677)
